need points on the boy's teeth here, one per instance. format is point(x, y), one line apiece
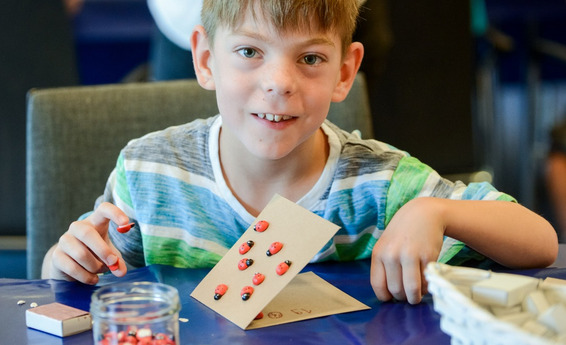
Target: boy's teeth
point(272, 117)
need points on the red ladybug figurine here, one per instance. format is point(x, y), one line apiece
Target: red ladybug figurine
point(283, 267)
point(258, 278)
point(246, 246)
point(274, 248)
point(220, 291)
point(245, 263)
point(261, 226)
point(247, 292)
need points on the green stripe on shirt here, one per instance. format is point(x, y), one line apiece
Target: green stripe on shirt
point(406, 183)
point(121, 187)
point(177, 253)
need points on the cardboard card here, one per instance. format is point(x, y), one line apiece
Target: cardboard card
point(306, 297)
point(301, 233)
point(503, 289)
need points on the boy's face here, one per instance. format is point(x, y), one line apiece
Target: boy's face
point(273, 88)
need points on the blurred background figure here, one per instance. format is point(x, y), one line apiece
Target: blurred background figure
point(73, 7)
point(170, 50)
point(556, 178)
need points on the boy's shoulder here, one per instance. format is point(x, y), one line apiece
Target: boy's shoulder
point(195, 130)
point(353, 143)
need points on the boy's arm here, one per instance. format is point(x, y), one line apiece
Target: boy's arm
point(504, 231)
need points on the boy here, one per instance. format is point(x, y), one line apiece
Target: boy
point(193, 190)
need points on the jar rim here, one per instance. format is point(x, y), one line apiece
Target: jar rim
point(135, 302)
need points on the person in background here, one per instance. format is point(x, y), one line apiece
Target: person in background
point(556, 178)
point(170, 47)
point(73, 7)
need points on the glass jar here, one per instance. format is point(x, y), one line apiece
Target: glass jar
point(139, 312)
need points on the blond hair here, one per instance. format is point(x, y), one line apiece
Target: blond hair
point(337, 16)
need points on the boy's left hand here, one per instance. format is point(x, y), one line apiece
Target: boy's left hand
point(412, 239)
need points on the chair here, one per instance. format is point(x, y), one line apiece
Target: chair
point(74, 135)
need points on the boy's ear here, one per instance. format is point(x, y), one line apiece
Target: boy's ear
point(202, 58)
point(348, 71)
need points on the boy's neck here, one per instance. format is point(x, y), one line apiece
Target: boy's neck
point(254, 181)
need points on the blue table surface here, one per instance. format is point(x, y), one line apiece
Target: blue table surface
point(384, 323)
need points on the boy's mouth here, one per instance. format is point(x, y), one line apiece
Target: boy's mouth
point(273, 117)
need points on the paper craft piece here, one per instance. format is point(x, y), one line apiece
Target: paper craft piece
point(503, 289)
point(535, 302)
point(555, 290)
point(301, 234)
point(553, 282)
point(504, 311)
point(307, 296)
point(518, 319)
point(537, 328)
point(555, 318)
point(58, 319)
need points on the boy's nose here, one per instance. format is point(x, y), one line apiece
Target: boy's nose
point(279, 79)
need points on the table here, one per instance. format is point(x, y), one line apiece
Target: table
point(385, 323)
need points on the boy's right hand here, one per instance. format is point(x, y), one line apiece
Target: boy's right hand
point(85, 249)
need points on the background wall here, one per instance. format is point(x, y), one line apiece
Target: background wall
point(37, 50)
point(521, 69)
point(459, 95)
point(422, 101)
point(31, 57)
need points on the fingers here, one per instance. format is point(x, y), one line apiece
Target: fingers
point(412, 281)
point(85, 250)
point(378, 280)
point(394, 278)
point(65, 266)
point(424, 282)
point(107, 212)
point(399, 279)
point(97, 241)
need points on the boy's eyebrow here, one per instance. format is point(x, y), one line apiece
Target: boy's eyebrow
point(319, 40)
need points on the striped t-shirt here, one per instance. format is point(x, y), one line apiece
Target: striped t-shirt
point(171, 184)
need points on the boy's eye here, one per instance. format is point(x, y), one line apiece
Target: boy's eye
point(247, 52)
point(311, 59)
